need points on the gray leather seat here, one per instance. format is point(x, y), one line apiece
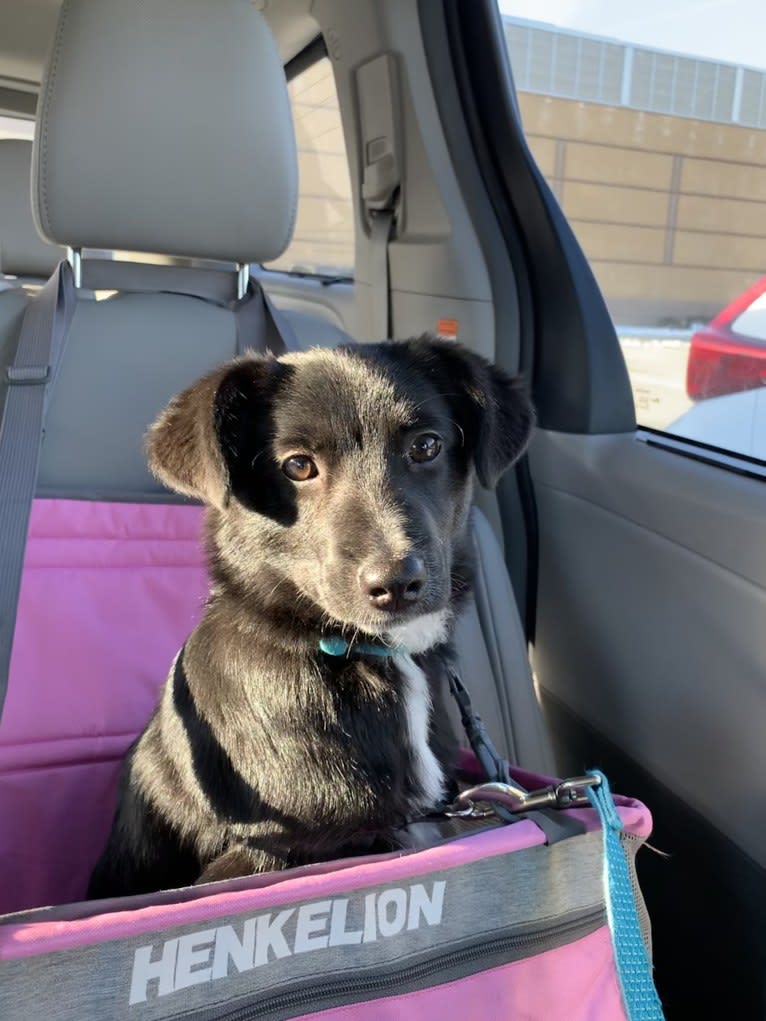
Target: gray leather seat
point(25, 259)
point(116, 168)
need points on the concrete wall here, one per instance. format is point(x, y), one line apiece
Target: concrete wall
point(670, 211)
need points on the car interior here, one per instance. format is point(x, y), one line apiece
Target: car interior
point(617, 619)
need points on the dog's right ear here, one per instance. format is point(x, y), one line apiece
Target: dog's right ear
point(187, 445)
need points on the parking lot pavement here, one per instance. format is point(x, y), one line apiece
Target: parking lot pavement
point(656, 361)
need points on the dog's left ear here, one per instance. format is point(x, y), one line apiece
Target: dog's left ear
point(493, 408)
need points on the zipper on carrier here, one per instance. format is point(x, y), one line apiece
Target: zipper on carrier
point(322, 995)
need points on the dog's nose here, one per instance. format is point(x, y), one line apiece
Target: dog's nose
point(393, 586)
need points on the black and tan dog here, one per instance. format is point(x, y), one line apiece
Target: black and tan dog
point(304, 718)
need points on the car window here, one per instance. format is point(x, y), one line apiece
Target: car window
point(651, 131)
point(752, 322)
point(16, 127)
point(323, 242)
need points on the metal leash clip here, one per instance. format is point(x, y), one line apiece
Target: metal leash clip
point(568, 793)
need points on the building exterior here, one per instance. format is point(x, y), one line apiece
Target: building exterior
point(658, 161)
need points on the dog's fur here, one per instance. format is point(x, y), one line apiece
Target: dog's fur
point(265, 752)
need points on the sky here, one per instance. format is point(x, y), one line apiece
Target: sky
point(728, 30)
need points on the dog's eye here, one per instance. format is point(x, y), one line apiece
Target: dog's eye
point(299, 468)
point(425, 448)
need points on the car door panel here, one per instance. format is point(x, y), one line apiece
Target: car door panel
point(650, 656)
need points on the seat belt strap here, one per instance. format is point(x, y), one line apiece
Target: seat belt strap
point(381, 225)
point(38, 357)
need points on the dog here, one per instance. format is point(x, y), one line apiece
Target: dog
point(305, 719)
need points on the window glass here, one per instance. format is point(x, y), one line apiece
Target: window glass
point(650, 127)
point(752, 322)
point(16, 127)
point(323, 242)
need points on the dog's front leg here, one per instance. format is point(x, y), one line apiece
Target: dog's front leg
point(240, 861)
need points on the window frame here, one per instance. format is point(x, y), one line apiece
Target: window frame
point(704, 453)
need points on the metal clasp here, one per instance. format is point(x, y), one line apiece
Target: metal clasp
point(569, 793)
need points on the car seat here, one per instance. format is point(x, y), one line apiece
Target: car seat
point(162, 128)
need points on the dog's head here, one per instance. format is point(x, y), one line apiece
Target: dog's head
point(342, 479)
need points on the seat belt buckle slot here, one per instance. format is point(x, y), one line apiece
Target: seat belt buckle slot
point(31, 375)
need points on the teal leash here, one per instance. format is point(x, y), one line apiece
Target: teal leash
point(634, 968)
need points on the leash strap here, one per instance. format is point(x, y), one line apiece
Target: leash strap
point(634, 969)
point(492, 762)
point(555, 825)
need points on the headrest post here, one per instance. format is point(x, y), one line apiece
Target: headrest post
point(74, 258)
point(243, 278)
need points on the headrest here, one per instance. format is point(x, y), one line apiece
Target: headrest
point(165, 127)
point(23, 253)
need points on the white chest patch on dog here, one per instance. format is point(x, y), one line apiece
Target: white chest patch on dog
point(422, 632)
point(417, 701)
